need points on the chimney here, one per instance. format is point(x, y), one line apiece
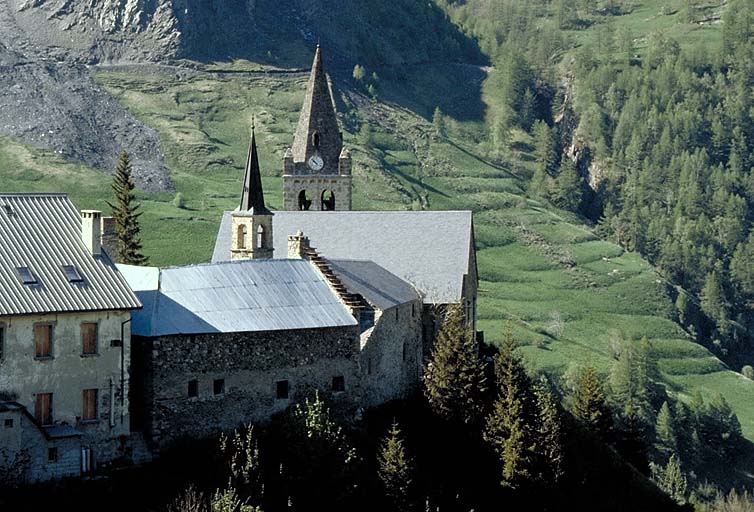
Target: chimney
point(298, 246)
point(91, 230)
point(110, 237)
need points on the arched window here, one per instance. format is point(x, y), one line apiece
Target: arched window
point(241, 237)
point(315, 139)
point(328, 200)
point(260, 237)
point(304, 203)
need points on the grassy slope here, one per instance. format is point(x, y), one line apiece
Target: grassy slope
point(536, 263)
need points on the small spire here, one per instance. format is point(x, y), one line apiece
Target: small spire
point(252, 198)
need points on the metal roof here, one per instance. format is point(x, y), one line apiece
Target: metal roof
point(381, 288)
point(43, 232)
point(239, 296)
point(430, 249)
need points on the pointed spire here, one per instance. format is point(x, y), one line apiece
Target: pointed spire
point(252, 198)
point(318, 130)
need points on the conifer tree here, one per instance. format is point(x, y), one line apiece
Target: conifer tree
point(454, 379)
point(510, 428)
point(671, 479)
point(568, 192)
point(395, 471)
point(549, 433)
point(438, 122)
point(126, 214)
point(667, 442)
point(589, 405)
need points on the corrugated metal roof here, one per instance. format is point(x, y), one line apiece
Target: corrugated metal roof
point(43, 232)
point(374, 283)
point(430, 249)
point(239, 296)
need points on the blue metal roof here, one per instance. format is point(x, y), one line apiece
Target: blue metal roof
point(240, 296)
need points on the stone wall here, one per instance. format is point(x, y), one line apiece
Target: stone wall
point(67, 373)
point(392, 354)
point(314, 187)
point(250, 364)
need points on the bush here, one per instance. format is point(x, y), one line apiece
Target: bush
point(748, 372)
point(178, 201)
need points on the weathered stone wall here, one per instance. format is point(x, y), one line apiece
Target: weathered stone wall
point(67, 373)
point(251, 364)
point(392, 354)
point(315, 186)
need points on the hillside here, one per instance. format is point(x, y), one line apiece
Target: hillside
point(569, 295)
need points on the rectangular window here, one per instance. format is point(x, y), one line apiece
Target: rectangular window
point(72, 274)
point(25, 275)
point(43, 408)
point(2, 341)
point(43, 340)
point(89, 405)
point(52, 455)
point(404, 350)
point(338, 384)
point(218, 386)
point(369, 366)
point(281, 390)
point(89, 338)
point(193, 388)
point(9, 423)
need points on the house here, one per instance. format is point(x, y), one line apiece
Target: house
point(65, 315)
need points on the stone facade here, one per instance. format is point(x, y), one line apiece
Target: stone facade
point(391, 354)
point(195, 386)
point(316, 190)
point(252, 236)
point(66, 373)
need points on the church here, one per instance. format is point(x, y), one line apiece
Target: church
point(102, 362)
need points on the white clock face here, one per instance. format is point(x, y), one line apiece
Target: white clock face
point(316, 163)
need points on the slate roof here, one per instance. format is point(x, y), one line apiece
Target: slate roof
point(374, 283)
point(43, 232)
point(429, 249)
point(239, 296)
point(252, 198)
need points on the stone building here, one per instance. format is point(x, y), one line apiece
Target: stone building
point(432, 250)
point(64, 340)
point(240, 340)
point(317, 169)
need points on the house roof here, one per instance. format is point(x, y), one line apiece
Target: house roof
point(381, 288)
point(239, 296)
point(43, 233)
point(430, 249)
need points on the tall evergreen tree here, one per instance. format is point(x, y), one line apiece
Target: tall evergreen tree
point(395, 471)
point(511, 426)
point(454, 380)
point(549, 434)
point(126, 214)
point(667, 442)
point(590, 406)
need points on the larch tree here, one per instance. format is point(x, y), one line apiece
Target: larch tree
point(395, 471)
point(126, 214)
point(549, 434)
point(590, 406)
point(454, 379)
point(511, 426)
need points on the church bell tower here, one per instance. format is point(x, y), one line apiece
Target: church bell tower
point(317, 169)
point(251, 223)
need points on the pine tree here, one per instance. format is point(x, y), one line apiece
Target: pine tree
point(454, 379)
point(395, 470)
point(510, 428)
point(589, 405)
point(549, 434)
point(667, 442)
point(438, 122)
point(671, 480)
point(126, 214)
point(568, 192)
